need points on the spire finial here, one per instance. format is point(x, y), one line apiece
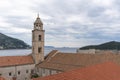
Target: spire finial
point(38, 15)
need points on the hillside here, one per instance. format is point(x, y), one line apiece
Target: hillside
point(113, 45)
point(7, 42)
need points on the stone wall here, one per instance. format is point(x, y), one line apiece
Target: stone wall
point(94, 51)
point(89, 51)
point(22, 72)
point(45, 72)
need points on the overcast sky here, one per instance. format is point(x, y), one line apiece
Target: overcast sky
point(68, 23)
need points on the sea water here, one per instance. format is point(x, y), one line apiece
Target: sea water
point(20, 52)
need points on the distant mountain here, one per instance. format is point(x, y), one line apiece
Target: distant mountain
point(113, 45)
point(49, 47)
point(7, 42)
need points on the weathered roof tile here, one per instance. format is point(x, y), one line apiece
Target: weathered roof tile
point(103, 71)
point(1, 78)
point(15, 60)
point(67, 61)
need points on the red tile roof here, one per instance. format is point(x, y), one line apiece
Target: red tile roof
point(103, 71)
point(15, 60)
point(68, 61)
point(1, 78)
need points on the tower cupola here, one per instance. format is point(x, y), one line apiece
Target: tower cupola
point(38, 24)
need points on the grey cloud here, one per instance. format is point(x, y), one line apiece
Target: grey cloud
point(90, 24)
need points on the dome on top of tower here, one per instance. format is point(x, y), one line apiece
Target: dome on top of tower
point(38, 20)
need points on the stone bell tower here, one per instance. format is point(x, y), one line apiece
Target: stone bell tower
point(38, 41)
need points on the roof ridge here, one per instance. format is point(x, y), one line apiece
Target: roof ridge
point(52, 55)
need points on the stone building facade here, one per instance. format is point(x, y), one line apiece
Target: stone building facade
point(21, 72)
point(46, 72)
point(20, 67)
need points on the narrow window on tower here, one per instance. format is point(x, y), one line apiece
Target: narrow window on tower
point(39, 49)
point(39, 37)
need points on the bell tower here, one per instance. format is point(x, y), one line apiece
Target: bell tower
point(38, 41)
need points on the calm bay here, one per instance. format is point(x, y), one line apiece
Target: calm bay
point(20, 52)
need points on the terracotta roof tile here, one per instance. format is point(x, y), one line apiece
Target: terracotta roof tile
point(15, 60)
point(1, 78)
point(103, 71)
point(68, 61)
point(60, 67)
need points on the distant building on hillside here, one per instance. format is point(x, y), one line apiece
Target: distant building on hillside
point(94, 51)
point(88, 51)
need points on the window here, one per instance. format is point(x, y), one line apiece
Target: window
point(39, 49)
point(50, 72)
point(18, 72)
point(39, 38)
point(36, 24)
point(10, 73)
point(27, 71)
point(43, 70)
point(32, 71)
